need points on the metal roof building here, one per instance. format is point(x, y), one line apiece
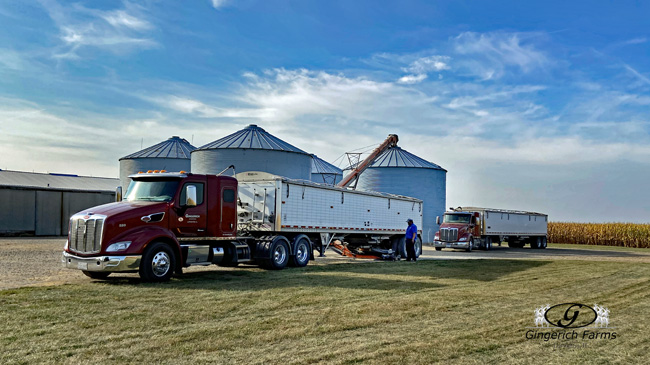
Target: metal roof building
point(171, 155)
point(400, 172)
point(324, 172)
point(41, 204)
point(252, 149)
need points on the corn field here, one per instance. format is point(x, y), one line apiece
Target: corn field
point(604, 234)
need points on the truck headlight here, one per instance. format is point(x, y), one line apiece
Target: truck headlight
point(118, 246)
point(462, 239)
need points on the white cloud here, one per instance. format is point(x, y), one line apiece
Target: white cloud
point(118, 31)
point(219, 3)
point(492, 53)
point(412, 79)
point(11, 60)
point(637, 74)
point(428, 64)
point(120, 18)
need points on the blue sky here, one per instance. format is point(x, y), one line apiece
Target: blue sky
point(529, 105)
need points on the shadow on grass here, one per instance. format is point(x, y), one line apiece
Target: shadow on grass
point(591, 252)
point(424, 275)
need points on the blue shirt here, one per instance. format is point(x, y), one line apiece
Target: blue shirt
point(411, 231)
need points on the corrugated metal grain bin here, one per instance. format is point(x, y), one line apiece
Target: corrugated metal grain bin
point(323, 172)
point(252, 149)
point(171, 155)
point(397, 171)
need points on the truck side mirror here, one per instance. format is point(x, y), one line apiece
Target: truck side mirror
point(118, 194)
point(190, 196)
point(478, 220)
point(438, 220)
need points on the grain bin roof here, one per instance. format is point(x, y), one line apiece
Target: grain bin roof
point(252, 137)
point(397, 157)
point(175, 147)
point(320, 166)
point(53, 181)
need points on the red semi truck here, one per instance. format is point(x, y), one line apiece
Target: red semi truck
point(469, 228)
point(168, 221)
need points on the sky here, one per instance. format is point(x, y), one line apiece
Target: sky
point(529, 105)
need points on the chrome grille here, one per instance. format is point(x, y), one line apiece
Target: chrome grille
point(449, 234)
point(86, 234)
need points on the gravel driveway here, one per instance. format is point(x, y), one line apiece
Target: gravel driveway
point(36, 261)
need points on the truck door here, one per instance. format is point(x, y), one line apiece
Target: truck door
point(476, 219)
point(192, 221)
point(228, 217)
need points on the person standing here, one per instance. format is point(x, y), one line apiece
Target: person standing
point(411, 236)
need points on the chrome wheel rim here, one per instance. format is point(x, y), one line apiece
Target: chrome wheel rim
point(160, 264)
point(418, 248)
point(301, 252)
point(279, 254)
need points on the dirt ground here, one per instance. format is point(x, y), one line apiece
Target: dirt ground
point(37, 261)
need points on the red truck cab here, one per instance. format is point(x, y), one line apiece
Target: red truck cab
point(143, 232)
point(459, 230)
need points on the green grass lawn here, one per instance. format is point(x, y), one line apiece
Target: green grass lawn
point(456, 311)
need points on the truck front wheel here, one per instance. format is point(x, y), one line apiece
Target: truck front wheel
point(470, 244)
point(158, 263)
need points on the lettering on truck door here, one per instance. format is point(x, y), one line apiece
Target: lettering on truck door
point(191, 221)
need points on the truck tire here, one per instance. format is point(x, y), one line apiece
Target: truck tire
point(96, 275)
point(544, 243)
point(418, 247)
point(278, 254)
point(488, 243)
point(438, 248)
point(158, 263)
point(301, 251)
point(470, 244)
point(401, 247)
point(534, 243)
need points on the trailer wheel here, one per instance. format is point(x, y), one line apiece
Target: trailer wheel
point(96, 275)
point(401, 247)
point(417, 247)
point(158, 263)
point(534, 243)
point(544, 243)
point(301, 252)
point(279, 254)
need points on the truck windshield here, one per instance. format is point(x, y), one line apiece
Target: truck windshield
point(457, 218)
point(156, 191)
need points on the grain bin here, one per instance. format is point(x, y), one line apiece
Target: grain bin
point(171, 155)
point(252, 149)
point(323, 172)
point(397, 171)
